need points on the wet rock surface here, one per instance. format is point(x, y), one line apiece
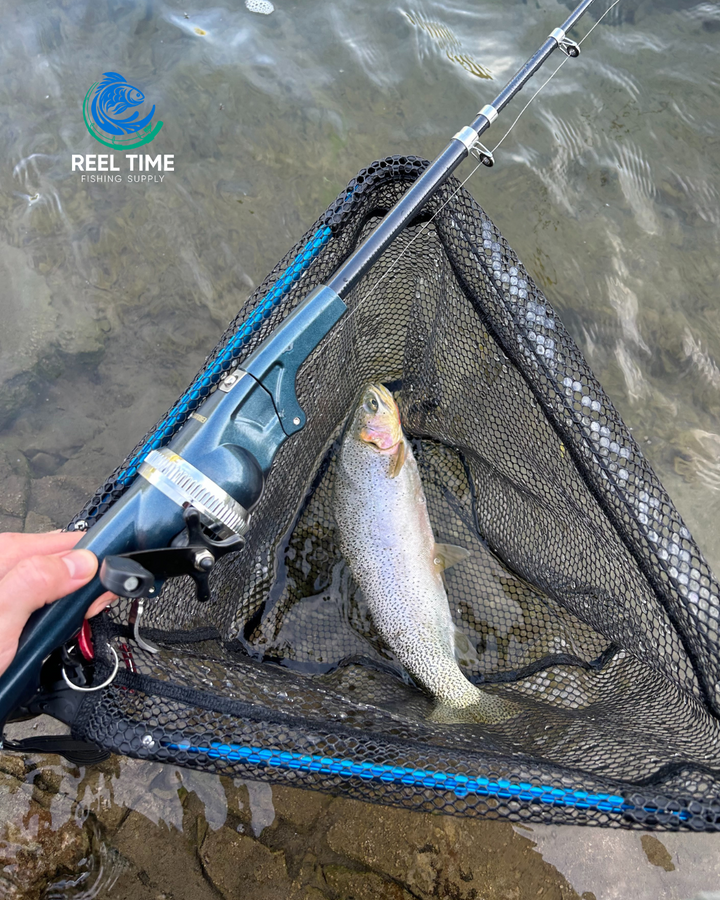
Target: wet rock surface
point(32, 852)
point(42, 838)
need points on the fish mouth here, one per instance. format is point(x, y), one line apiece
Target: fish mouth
point(379, 418)
point(378, 438)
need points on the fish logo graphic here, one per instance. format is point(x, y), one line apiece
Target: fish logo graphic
point(105, 110)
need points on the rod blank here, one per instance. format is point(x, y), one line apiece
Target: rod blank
point(438, 172)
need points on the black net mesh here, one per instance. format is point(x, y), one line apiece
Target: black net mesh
point(585, 600)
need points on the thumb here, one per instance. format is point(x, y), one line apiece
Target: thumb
point(33, 583)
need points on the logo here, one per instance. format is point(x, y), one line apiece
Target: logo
point(105, 111)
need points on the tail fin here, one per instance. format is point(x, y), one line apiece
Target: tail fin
point(481, 707)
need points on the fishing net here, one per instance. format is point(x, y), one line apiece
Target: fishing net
point(585, 600)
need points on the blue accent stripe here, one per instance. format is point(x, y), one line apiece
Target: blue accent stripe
point(460, 785)
point(202, 385)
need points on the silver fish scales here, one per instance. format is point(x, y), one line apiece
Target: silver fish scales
point(385, 535)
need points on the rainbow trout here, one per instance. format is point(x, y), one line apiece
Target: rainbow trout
point(386, 538)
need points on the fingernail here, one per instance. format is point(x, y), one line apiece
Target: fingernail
point(80, 563)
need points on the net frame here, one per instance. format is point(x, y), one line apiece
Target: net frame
point(672, 653)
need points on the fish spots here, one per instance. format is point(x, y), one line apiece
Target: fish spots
point(199, 31)
point(385, 535)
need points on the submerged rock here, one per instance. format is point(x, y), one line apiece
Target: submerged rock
point(28, 323)
point(40, 839)
point(15, 483)
point(239, 866)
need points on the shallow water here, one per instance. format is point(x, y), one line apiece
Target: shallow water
point(607, 188)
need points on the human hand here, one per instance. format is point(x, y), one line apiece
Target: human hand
point(36, 569)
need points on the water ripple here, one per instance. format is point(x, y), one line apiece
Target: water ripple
point(636, 182)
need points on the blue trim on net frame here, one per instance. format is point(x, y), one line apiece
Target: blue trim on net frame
point(460, 785)
point(200, 388)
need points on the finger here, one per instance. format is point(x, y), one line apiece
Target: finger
point(14, 547)
point(33, 583)
point(100, 604)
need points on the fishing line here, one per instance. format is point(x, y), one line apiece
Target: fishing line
point(551, 76)
point(427, 224)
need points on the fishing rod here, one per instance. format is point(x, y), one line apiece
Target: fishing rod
point(466, 141)
point(189, 500)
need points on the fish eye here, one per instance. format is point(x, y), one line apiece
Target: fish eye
point(371, 404)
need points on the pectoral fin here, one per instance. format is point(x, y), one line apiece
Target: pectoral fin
point(398, 460)
point(447, 555)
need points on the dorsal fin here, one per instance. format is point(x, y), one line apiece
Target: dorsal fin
point(397, 460)
point(447, 555)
